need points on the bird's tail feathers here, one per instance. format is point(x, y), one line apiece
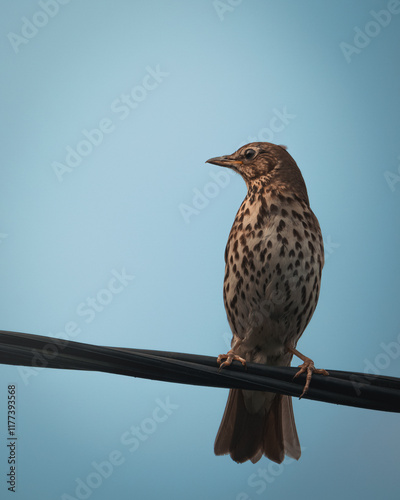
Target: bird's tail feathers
point(247, 435)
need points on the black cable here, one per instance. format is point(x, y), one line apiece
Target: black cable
point(345, 388)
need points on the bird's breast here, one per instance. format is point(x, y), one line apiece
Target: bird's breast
point(274, 258)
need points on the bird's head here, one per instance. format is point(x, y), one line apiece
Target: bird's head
point(268, 163)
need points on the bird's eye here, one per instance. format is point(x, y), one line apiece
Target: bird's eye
point(249, 154)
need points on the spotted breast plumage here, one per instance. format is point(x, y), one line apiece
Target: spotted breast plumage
point(274, 258)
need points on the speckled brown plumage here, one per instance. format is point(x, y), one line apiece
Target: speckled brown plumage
point(274, 258)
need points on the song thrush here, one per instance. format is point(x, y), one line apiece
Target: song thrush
point(274, 258)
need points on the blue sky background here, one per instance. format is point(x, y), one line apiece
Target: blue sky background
point(224, 75)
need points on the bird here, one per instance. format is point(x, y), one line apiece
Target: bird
point(273, 264)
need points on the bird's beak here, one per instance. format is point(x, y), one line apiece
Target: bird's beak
point(225, 161)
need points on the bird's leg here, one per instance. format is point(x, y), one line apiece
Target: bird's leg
point(307, 367)
point(230, 356)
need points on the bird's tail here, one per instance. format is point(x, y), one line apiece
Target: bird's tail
point(248, 431)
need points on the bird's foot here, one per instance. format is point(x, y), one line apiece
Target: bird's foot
point(229, 357)
point(309, 368)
